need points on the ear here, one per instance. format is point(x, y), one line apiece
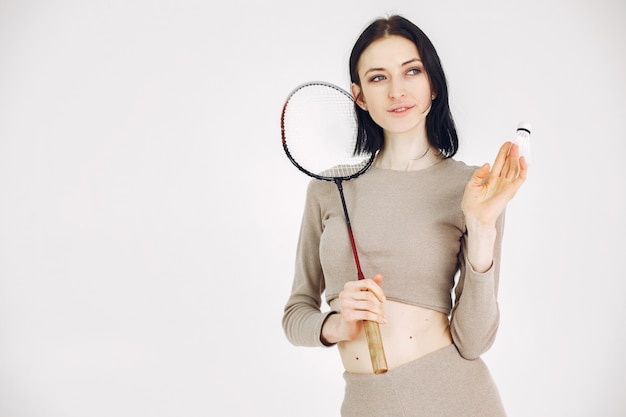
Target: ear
point(358, 96)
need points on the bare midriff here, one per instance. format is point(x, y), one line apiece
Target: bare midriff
point(410, 333)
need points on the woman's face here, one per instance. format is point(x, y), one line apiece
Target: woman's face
point(395, 88)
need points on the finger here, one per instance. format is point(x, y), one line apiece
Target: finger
point(496, 171)
point(354, 315)
point(377, 291)
point(361, 305)
point(512, 168)
point(480, 174)
point(521, 174)
point(523, 168)
point(378, 279)
point(520, 177)
point(371, 285)
point(359, 296)
point(360, 300)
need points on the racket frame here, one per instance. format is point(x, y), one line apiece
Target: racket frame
point(372, 329)
point(286, 147)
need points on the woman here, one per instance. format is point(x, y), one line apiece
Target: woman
point(419, 218)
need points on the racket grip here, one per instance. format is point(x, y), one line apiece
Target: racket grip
point(375, 345)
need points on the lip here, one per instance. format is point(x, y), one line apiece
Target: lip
point(400, 108)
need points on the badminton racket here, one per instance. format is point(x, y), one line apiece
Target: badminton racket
point(319, 132)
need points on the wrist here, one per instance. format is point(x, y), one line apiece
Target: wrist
point(481, 240)
point(479, 227)
point(328, 333)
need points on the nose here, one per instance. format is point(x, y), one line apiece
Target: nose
point(396, 88)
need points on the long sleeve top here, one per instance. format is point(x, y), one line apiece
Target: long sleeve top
point(408, 226)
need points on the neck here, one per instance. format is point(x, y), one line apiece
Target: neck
point(406, 154)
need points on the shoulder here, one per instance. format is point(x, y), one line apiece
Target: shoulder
point(458, 167)
point(319, 189)
point(455, 171)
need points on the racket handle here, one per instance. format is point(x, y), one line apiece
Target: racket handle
point(375, 344)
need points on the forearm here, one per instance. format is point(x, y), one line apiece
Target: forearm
point(475, 318)
point(302, 324)
point(481, 239)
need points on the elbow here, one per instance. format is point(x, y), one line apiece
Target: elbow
point(288, 329)
point(470, 352)
point(472, 345)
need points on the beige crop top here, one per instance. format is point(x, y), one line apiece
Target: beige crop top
point(408, 226)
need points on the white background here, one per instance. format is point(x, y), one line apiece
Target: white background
point(148, 216)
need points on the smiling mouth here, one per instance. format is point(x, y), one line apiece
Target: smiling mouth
point(400, 109)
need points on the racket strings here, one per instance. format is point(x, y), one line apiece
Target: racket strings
point(319, 130)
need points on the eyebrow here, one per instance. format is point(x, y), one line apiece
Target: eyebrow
point(410, 61)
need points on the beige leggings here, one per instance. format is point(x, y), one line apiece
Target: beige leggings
point(440, 384)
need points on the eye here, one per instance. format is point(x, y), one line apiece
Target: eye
point(414, 71)
point(376, 78)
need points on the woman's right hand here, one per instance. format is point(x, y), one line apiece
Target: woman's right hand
point(360, 300)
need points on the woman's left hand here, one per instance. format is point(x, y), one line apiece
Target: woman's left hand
point(489, 190)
